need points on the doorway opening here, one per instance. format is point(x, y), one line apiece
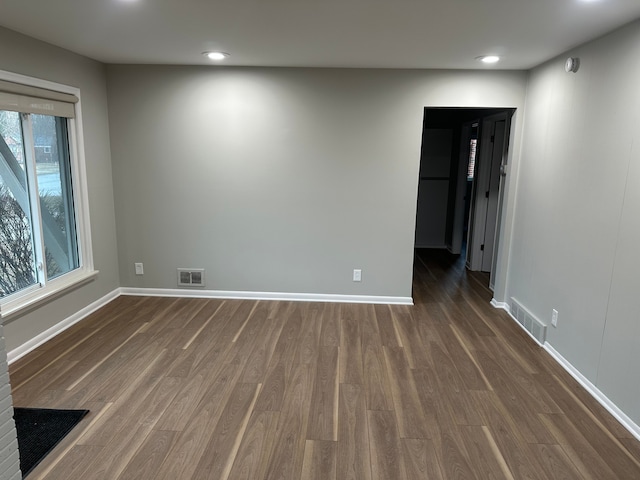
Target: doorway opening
point(462, 165)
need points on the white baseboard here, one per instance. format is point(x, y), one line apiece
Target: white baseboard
point(611, 407)
point(60, 327)
point(292, 297)
point(48, 334)
point(505, 306)
point(500, 305)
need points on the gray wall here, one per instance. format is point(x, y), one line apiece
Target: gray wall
point(277, 180)
point(26, 56)
point(577, 219)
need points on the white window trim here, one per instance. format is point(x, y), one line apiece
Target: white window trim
point(30, 298)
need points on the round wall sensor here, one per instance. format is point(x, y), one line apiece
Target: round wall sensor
point(572, 64)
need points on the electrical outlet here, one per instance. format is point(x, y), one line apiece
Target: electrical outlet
point(139, 269)
point(357, 275)
point(554, 317)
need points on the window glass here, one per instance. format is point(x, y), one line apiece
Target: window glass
point(17, 253)
point(38, 240)
point(53, 170)
point(471, 166)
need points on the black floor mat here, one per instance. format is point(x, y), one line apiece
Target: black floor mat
point(40, 430)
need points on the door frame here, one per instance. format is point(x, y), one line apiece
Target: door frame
point(457, 234)
point(483, 187)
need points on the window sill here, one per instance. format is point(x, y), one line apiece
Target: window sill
point(54, 289)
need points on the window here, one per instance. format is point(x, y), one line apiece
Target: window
point(44, 235)
point(471, 166)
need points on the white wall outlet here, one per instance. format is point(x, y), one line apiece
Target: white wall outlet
point(357, 275)
point(139, 269)
point(554, 317)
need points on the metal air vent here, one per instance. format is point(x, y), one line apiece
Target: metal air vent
point(530, 323)
point(191, 277)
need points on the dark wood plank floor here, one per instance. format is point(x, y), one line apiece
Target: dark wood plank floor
point(227, 389)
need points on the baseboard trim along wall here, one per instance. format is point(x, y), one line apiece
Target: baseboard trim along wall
point(290, 297)
point(594, 391)
point(48, 334)
point(500, 305)
point(60, 327)
point(506, 308)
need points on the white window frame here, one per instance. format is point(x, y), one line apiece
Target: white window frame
point(36, 295)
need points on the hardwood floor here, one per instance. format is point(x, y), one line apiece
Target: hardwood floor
point(227, 389)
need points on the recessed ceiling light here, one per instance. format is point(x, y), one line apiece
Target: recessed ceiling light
point(216, 56)
point(488, 59)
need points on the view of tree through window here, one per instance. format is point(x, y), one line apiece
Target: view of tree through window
point(17, 261)
point(37, 224)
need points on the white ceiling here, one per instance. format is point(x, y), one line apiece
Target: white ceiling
point(319, 33)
